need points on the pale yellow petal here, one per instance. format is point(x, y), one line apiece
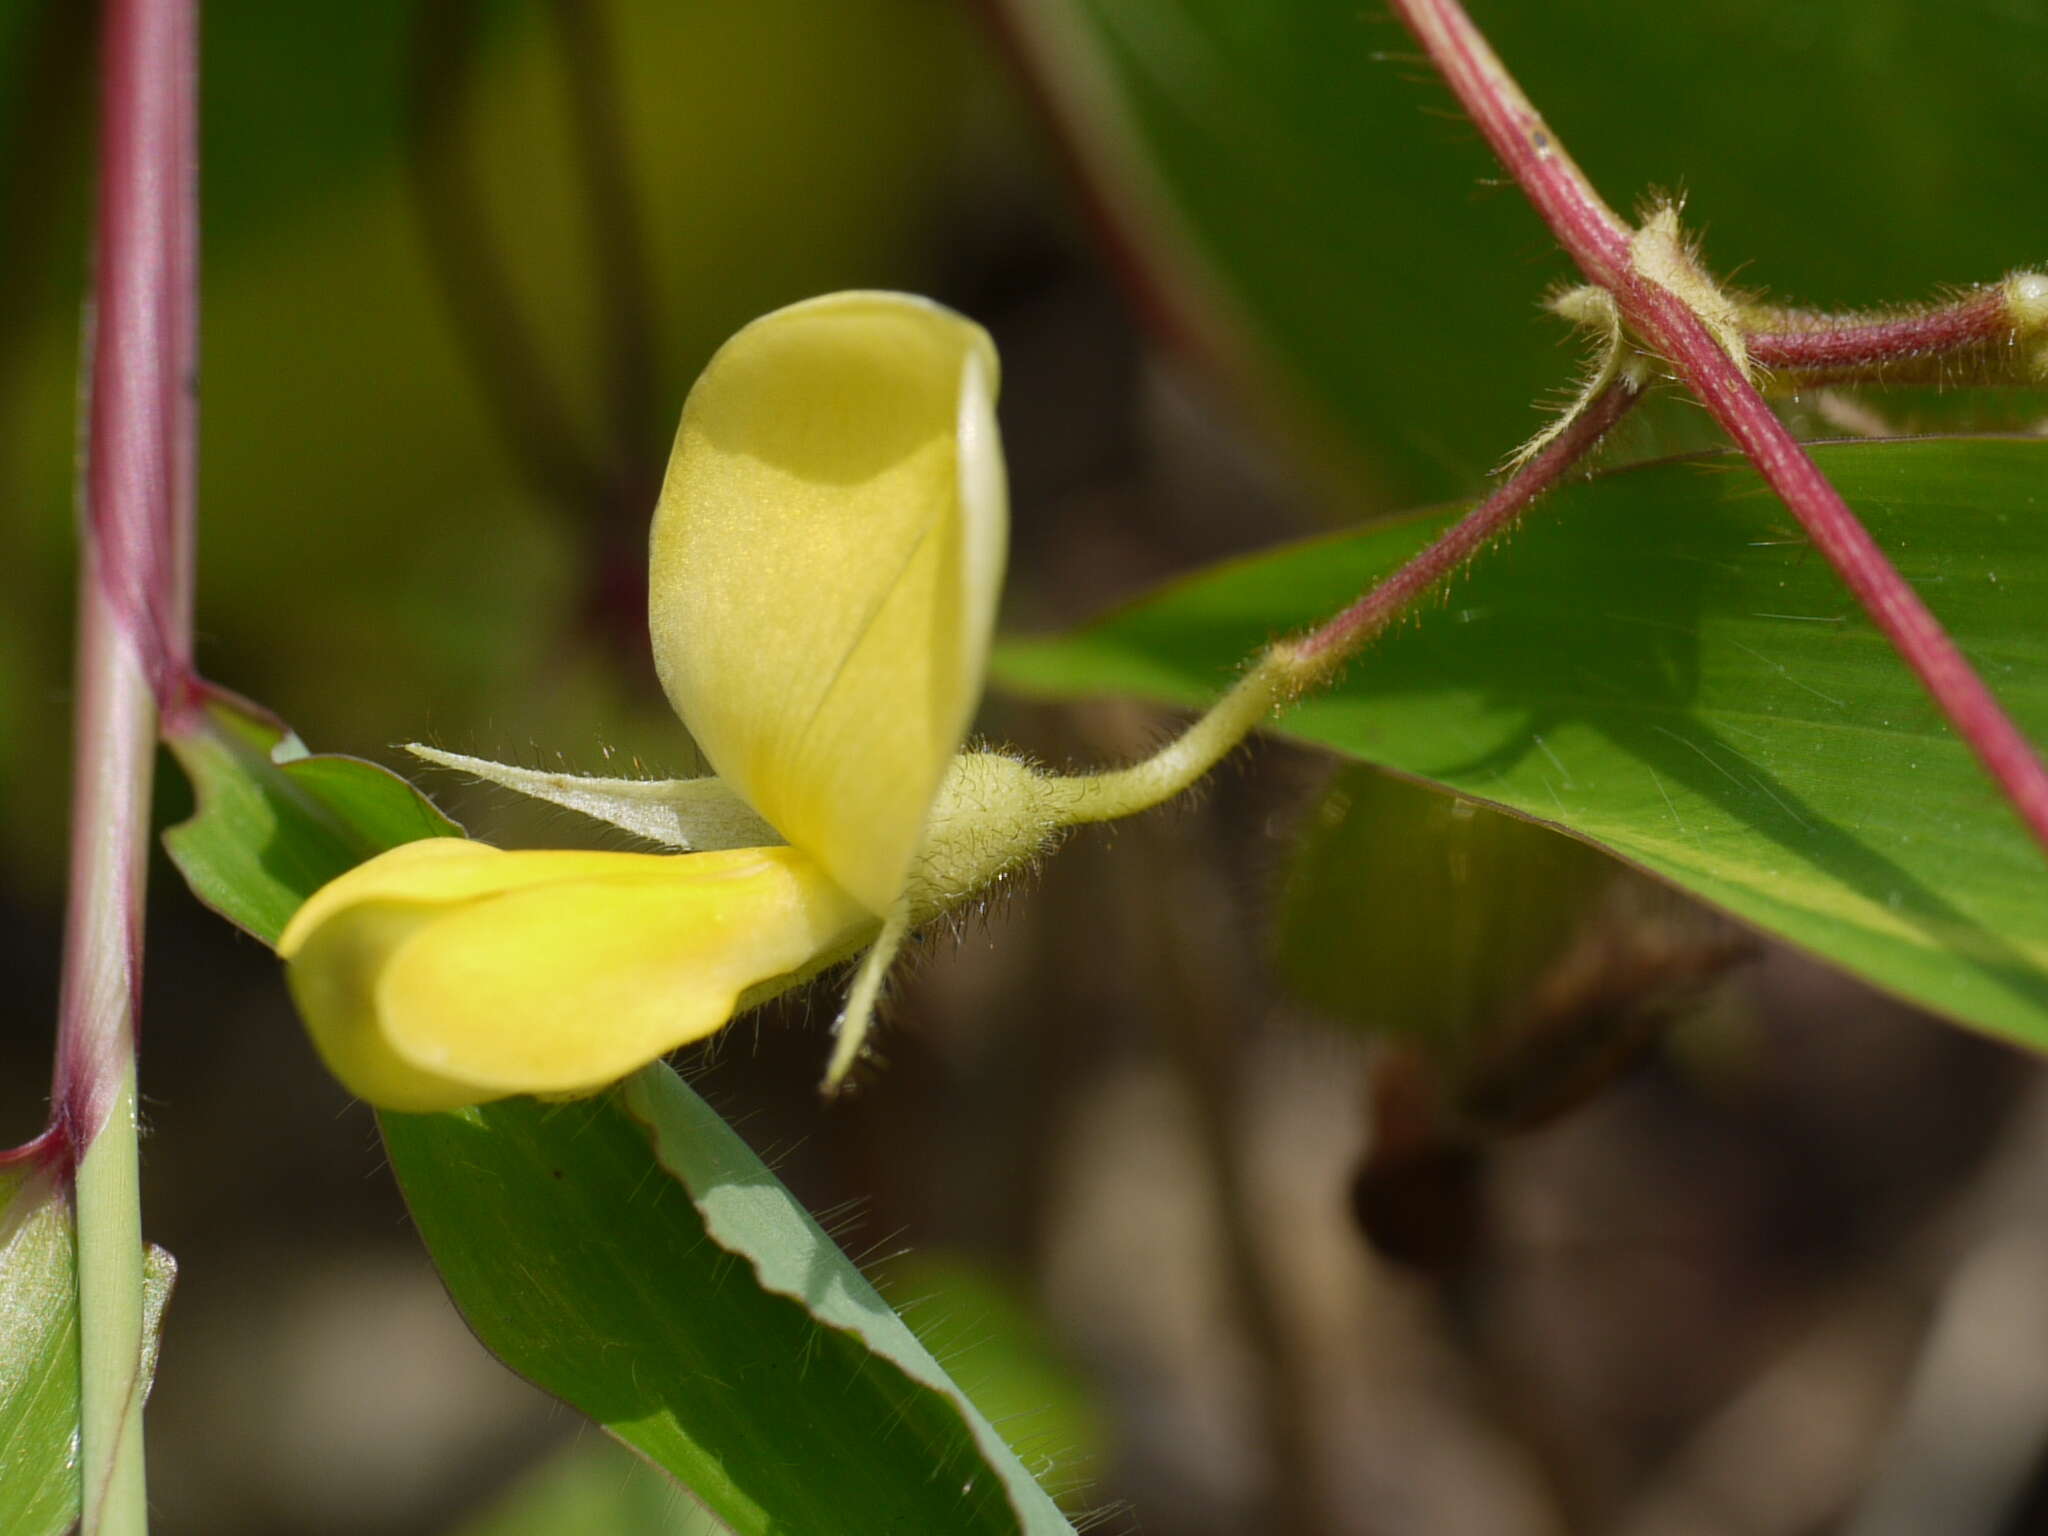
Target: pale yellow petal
point(441, 870)
point(574, 971)
point(824, 568)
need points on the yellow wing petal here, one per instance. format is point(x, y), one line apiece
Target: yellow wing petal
point(438, 981)
point(825, 562)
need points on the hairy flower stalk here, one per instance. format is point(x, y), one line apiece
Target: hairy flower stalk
point(1997, 334)
point(1576, 436)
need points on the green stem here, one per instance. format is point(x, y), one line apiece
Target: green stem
point(110, 1324)
point(1276, 677)
point(94, 1093)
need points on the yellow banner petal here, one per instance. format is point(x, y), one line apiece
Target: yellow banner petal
point(435, 980)
point(825, 563)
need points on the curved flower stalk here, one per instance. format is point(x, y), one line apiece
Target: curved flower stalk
point(826, 560)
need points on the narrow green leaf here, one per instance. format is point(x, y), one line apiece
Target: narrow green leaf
point(39, 1493)
point(769, 1378)
point(703, 1317)
point(1660, 664)
point(275, 823)
point(748, 1212)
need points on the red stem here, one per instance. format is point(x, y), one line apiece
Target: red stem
point(1600, 244)
point(135, 596)
point(1817, 343)
point(1897, 610)
point(1364, 619)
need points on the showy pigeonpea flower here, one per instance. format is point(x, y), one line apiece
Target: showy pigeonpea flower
point(825, 563)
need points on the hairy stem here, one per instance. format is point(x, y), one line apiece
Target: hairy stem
point(1821, 347)
point(1667, 322)
point(1182, 762)
point(1893, 605)
point(1359, 624)
point(1294, 666)
point(1596, 237)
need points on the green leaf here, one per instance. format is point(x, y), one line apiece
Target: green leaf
point(703, 1317)
point(39, 1351)
point(274, 823)
point(1658, 663)
point(1287, 181)
point(1421, 914)
point(595, 1487)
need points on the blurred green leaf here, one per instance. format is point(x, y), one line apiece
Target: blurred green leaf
point(1660, 664)
point(703, 1318)
point(39, 1352)
point(275, 823)
point(1295, 183)
point(1417, 913)
point(595, 1487)
point(1005, 1359)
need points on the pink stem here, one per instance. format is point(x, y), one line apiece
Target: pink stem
point(1364, 619)
point(135, 602)
point(1599, 243)
point(1852, 344)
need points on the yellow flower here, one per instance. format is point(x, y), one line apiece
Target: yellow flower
point(825, 562)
